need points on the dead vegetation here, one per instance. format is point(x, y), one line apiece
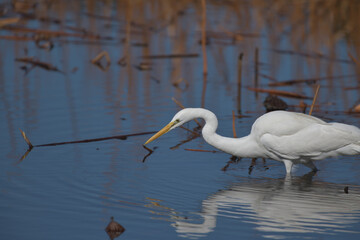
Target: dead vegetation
point(132, 26)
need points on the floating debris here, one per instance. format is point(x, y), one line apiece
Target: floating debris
point(98, 60)
point(273, 103)
point(120, 137)
point(184, 141)
point(178, 82)
point(155, 79)
point(256, 69)
point(36, 63)
point(26, 139)
point(8, 21)
point(51, 33)
point(303, 106)
point(233, 159)
point(114, 229)
point(150, 152)
point(201, 150)
point(239, 82)
point(233, 124)
point(122, 61)
point(74, 70)
point(355, 109)
point(252, 165)
point(180, 55)
point(144, 66)
point(279, 93)
point(312, 55)
point(314, 99)
point(44, 42)
point(353, 59)
point(309, 80)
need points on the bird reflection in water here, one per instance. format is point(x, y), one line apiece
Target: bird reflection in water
point(278, 207)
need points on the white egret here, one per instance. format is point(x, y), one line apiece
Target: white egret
point(289, 137)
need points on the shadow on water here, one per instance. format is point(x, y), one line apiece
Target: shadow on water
point(277, 208)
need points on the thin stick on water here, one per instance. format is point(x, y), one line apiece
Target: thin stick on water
point(119, 137)
point(201, 150)
point(239, 82)
point(353, 59)
point(177, 102)
point(128, 18)
point(203, 47)
point(256, 60)
point(150, 151)
point(280, 93)
point(193, 132)
point(26, 140)
point(233, 124)
point(314, 99)
point(203, 36)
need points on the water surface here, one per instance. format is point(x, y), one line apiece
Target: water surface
point(71, 191)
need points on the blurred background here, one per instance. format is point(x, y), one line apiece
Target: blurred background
point(80, 70)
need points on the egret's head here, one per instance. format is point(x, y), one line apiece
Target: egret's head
point(179, 119)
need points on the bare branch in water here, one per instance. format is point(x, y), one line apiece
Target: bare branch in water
point(150, 152)
point(280, 93)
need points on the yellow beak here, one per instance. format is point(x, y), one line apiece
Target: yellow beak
point(161, 132)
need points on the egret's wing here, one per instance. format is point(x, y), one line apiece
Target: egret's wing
point(313, 141)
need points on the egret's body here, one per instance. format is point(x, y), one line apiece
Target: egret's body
point(289, 137)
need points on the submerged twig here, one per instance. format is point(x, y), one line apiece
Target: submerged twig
point(97, 60)
point(193, 132)
point(150, 152)
point(26, 140)
point(24, 156)
point(311, 55)
point(308, 81)
point(203, 47)
point(232, 160)
point(8, 21)
point(239, 82)
point(178, 103)
point(52, 33)
point(201, 150)
point(233, 124)
point(179, 81)
point(120, 137)
point(256, 70)
point(36, 63)
point(314, 100)
point(180, 55)
point(354, 59)
point(252, 165)
point(280, 93)
point(184, 141)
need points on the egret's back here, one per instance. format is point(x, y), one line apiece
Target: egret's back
point(280, 123)
point(300, 137)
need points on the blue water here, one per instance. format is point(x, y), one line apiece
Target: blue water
point(71, 191)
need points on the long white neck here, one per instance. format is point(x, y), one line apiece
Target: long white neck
point(241, 147)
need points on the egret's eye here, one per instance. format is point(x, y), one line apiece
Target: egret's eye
point(177, 120)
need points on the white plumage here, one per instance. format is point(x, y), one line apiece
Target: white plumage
point(289, 137)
